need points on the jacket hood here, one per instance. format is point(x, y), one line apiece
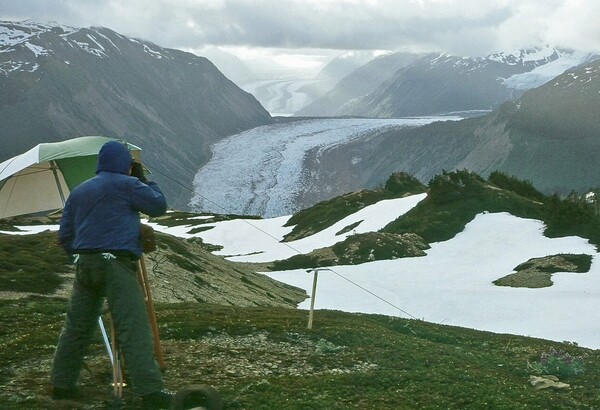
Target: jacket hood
point(114, 157)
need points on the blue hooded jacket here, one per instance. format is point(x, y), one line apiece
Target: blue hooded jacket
point(103, 213)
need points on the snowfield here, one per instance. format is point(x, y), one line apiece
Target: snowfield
point(261, 171)
point(451, 285)
point(268, 233)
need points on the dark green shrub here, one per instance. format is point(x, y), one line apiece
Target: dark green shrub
point(451, 186)
point(518, 186)
point(404, 183)
point(573, 215)
point(453, 200)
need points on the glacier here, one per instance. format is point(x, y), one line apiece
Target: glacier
point(261, 171)
point(544, 73)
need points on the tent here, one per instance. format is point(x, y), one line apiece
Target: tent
point(41, 179)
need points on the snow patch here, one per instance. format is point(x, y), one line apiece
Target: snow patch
point(37, 50)
point(89, 49)
point(109, 40)
point(95, 41)
point(544, 73)
point(452, 284)
point(10, 66)
point(153, 53)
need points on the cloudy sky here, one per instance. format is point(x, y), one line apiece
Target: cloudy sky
point(309, 32)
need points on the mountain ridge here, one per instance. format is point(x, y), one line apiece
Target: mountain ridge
point(549, 136)
point(439, 83)
point(61, 82)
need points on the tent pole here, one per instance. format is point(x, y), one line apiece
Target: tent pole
point(54, 166)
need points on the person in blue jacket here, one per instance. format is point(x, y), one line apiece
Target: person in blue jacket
point(100, 226)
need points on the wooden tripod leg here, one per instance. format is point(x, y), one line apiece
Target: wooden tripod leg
point(117, 370)
point(143, 278)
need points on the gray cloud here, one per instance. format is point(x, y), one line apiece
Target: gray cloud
point(467, 27)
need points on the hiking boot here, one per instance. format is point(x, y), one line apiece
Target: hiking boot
point(65, 394)
point(158, 400)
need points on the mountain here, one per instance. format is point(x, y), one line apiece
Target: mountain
point(549, 136)
point(59, 82)
point(230, 65)
point(358, 83)
point(344, 64)
point(284, 92)
point(442, 83)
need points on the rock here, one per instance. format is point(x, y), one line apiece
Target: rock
point(546, 382)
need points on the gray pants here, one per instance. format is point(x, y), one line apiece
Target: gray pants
point(97, 277)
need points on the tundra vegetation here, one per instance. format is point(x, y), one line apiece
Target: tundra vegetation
point(223, 324)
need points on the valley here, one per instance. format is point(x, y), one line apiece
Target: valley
point(283, 96)
point(279, 169)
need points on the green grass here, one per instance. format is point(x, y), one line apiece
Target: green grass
point(32, 263)
point(346, 361)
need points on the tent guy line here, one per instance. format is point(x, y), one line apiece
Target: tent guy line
point(157, 170)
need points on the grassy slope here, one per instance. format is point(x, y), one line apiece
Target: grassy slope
point(31, 263)
point(265, 358)
point(180, 270)
point(324, 214)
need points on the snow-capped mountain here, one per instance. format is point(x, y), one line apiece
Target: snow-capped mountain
point(61, 82)
point(549, 63)
point(442, 83)
point(358, 83)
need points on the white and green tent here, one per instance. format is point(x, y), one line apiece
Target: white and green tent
point(41, 179)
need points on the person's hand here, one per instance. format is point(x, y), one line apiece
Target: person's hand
point(137, 170)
